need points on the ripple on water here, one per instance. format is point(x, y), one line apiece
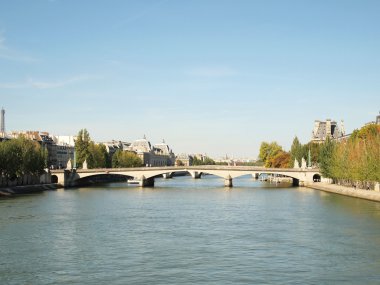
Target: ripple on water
point(189, 232)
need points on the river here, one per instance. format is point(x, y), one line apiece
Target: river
point(187, 231)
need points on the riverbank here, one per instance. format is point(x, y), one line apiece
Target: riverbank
point(347, 191)
point(27, 189)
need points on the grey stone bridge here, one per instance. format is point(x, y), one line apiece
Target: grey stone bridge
point(144, 176)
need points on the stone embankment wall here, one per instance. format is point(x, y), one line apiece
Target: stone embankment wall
point(27, 189)
point(26, 185)
point(373, 195)
point(26, 180)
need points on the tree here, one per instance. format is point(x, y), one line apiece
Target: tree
point(82, 145)
point(196, 161)
point(12, 159)
point(98, 156)
point(314, 151)
point(20, 157)
point(33, 157)
point(296, 151)
point(125, 159)
point(281, 160)
point(366, 132)
point(206, 161)
point(268, 151)
point(326, 157)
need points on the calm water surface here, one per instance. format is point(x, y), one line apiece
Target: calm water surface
point(187, 231)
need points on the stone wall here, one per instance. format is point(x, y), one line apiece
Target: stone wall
point(347, 191)
point(26, 180)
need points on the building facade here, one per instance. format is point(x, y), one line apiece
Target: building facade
point(184, 159)
point(157, 155)
point(327, 129)
point(65, 149)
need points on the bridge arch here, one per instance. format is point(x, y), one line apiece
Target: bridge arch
point(101, 178)
point(316, 177)
point(54, 179)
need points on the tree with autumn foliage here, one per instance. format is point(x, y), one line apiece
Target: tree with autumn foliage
point(273, 155)
point(281, 160)
point(353, 161)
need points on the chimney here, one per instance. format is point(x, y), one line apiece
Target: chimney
point(328, 128)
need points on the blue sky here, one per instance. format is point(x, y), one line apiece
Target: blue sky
point(215, 77)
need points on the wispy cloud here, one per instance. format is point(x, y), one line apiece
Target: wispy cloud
point(56, 84)
point(212, 72)
point(43, 84)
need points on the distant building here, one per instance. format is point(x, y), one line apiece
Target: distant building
point(163, 149)
point(200, 157)
point(327, 129)
point(65, 149)
point(114, 145)
point(48, 143)
point(184, 160)
point(157, 155)
point(60, 149)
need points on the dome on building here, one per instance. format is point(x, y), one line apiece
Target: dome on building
point(162, 148)
point(141, 145)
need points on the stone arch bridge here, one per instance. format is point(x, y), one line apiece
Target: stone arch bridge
point(144, 176)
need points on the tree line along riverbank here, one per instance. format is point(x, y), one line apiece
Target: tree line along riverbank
point(351, 162)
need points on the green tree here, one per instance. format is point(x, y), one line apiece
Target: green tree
point(98, 156)
point(296, 152)
point(314, 152)
point(82, 146)
point(206, 161)
point(196, 161)
point(21, 156)
point(33, 157)
point(125, 159)
point(326, 158)
point(268, 151)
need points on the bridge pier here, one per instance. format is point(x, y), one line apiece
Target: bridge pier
point(146, 182)
point(228, 182)
point(297, 182)
point(68, 178)
point(255, 176)
point(195, 174)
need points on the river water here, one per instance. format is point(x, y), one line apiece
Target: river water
point(187, 231)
